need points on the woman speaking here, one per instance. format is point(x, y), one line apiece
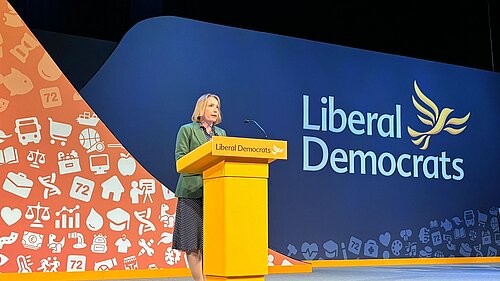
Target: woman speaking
point(188, 228)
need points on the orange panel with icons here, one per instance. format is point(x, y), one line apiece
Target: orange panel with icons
point(72, 198)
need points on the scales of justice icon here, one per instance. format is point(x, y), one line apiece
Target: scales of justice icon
point(37, 157)
point(41, 213)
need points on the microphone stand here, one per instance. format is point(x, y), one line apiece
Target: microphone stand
point(255, 122)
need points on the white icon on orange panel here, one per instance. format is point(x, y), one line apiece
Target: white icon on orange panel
point(10, 216)
point(82, 189)
point(18, 184)
point(135, 192)
point(94, 220)
point(3, 259)
point(115, 145)
point(48, 69)
point(270, 260)
point(3, 105)
point(123, 244)
point(152, 266)
point(16, 82)
point(99, 244)
point(3, 135)
point(105, 265)
point(143, 217)
point(99, 164)
point(36, 158)
point(11, 18)
point(130, 263)
point(68, 218)
point(167, 194)
point(28, 130)
point(51, 97)
point(38, 213)
point(91, 140)
point(87, 120)
point(172, 256)
point(27, 44)
point(24, 263)
point(8, 240)
point(68, 163)
point(80, 240)
point(126, 164)
point(166, 238)
point(54, 245)
point(59, 131)
point(76, 96)
point(166, 218)
point(50, 189)
point(49, 264)
point(145, 187)
point(113, 188)
point(8, 156)
point(146, 247)
point(149, 187)
point(76, 263)
point(119, 219)
point(32, 240)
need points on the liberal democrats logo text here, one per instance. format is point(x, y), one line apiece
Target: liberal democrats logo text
point(335, 119)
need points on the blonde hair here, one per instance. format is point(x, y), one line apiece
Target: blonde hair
point(201, 104)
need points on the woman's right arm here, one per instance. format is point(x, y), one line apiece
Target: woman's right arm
point(182, 143)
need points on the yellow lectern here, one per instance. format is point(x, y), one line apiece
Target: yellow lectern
point(235, 172)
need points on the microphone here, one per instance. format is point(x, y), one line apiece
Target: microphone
point(255, 122)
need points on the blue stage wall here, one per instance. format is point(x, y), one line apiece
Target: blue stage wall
point(341, 110)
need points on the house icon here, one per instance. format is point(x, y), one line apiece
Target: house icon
point(112, 187)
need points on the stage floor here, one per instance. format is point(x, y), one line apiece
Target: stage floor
point(476, 272)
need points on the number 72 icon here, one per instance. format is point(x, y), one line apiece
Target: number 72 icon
point(76, 263)
point(82, 189)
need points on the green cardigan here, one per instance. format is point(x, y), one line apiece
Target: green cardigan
point(189, 137)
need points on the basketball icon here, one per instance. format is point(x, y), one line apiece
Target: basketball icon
point(90, 140)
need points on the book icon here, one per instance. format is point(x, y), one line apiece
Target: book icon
point(8, 156)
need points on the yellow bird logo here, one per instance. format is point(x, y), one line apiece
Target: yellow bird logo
point(438, 120)
point(276, 150)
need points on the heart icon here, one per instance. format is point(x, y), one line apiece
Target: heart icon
point(385, 238)
point(10, 216)
point(309, 251)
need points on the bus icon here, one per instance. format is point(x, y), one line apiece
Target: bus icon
point(469, 218)
point(28, 130)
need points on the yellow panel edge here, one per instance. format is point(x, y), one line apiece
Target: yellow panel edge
point(131, 274)
point(97, 275)
point(296, 268)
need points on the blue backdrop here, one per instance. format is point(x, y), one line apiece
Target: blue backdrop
point(435, 202)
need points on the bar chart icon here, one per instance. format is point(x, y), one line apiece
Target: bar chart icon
point(68, 218)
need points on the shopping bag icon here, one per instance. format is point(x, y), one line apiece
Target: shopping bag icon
point(18, 184)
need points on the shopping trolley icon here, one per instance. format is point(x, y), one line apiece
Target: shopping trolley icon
point(59, 131)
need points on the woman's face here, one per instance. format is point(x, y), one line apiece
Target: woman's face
point(212, 110)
